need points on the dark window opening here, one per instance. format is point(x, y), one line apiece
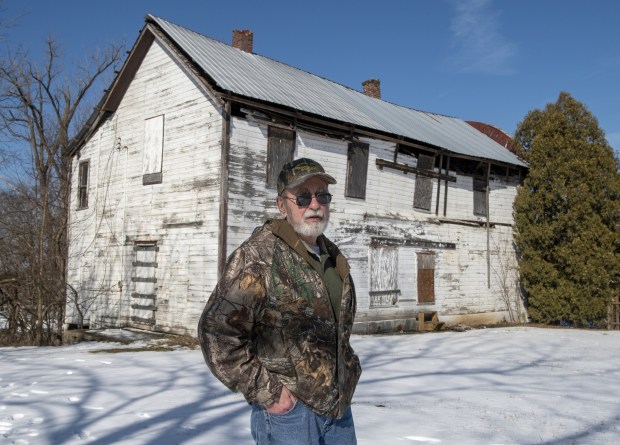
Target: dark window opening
point(83, 184)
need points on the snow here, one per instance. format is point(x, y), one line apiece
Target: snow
point(517, 385)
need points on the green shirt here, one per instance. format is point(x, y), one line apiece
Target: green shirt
point(326, 266)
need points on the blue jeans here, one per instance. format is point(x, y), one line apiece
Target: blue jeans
point(301, 426)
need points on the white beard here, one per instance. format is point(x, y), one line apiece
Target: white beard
point(312, 229)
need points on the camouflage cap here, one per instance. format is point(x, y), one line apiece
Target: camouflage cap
point(296, 172)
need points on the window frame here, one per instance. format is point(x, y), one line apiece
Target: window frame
point(82, 184)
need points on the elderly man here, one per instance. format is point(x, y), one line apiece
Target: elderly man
point(277, 325)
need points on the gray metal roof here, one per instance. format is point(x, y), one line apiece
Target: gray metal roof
point(258, 77)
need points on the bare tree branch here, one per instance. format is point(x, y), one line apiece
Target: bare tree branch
point(39, 106)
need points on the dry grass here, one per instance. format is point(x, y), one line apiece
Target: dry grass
point(182, 341)
point(164, 344)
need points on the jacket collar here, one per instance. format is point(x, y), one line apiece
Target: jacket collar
point(283, 230)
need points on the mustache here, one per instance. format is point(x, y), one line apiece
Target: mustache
point(310, 213)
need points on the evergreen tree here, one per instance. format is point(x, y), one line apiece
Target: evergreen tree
point(567, 215)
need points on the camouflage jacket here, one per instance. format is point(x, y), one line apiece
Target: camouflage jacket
point(269, 322)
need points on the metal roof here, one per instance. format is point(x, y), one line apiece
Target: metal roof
point(258, 77)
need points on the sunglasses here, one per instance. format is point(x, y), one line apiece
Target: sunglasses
point(304, 199)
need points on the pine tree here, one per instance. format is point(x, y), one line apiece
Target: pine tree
point(567, 215)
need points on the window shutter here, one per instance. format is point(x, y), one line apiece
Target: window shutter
point(426, 277)
point(357, 170)
point(480, 197)
point(423, 192)
point(280, 150)
point(153, 150)
point(384, 290)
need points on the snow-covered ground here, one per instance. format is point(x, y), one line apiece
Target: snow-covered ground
point(480, 387)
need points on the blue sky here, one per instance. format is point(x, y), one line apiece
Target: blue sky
point(484, 60)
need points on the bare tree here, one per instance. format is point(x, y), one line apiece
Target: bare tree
point(505, 270)
point(41, 106)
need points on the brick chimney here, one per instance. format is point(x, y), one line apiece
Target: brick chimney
point(372, 88)
point(243, 39)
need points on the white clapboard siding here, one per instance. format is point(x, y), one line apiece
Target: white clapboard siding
point(461, 274)
point(180, 214)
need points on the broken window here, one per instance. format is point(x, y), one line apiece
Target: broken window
point(83, 184)
point(426, 277)
point(480, 197)
point(357, 170)
point(423, 192)
point(280, 150)
point(153, 150)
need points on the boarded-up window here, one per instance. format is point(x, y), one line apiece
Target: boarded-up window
point(153, 150)
point(83, 184)
point(480, 197)
point(423, 192)
point(384, 290)
point(357, 170)
point(280, 150)
point(426, 277)
point(144, 295)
